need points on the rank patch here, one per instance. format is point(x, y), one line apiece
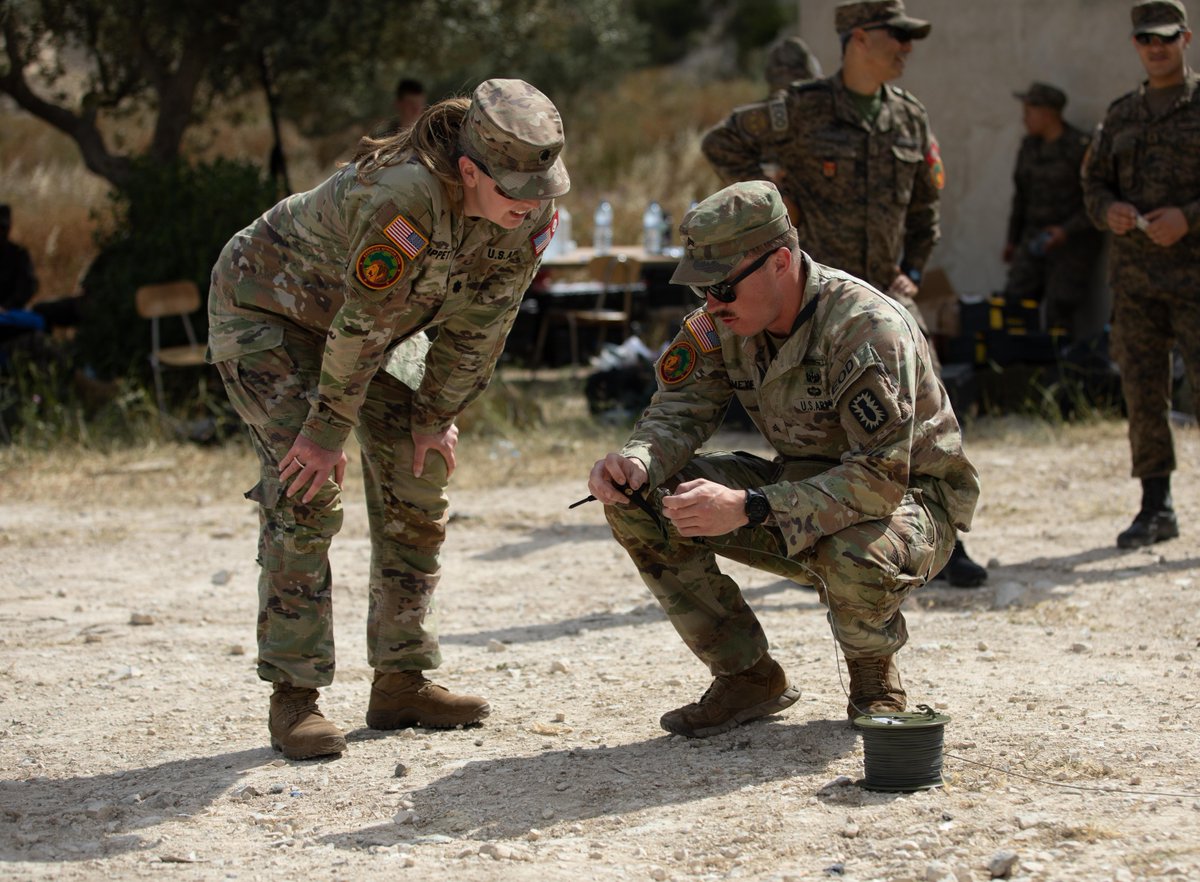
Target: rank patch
point(542, 237)
point(677, 363)
point(704, 331)
point(933, 158)
point(407, 237)
point(379, 266)
point(866, 408)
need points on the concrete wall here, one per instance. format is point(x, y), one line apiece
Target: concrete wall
point(978, 54)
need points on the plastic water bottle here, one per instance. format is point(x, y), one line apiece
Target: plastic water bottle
point(602, 235)
point(652, 229)
point(563, 234)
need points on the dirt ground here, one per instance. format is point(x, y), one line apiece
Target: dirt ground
point(133, 728)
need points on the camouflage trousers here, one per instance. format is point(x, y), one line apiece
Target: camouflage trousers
point(1147, 322)
point(862, 573)
point(1062, 280)
point(271, 391)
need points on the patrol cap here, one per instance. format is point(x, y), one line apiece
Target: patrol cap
point(860, 14)
point(719, 231)
point(1161, 17)
point(790, 60)
point(516, 134)
point(1043, 95)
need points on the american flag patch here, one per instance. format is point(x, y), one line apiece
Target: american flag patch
point(704, 331)
point(542, 238)
point(405, 235)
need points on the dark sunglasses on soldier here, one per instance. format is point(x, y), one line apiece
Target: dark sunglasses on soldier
point(724, 291)
point(898, 34)
point(1150, 39)
point(495, 184)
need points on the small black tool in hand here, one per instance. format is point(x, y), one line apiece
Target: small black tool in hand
point(638, 498)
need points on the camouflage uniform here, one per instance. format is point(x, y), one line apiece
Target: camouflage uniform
point(1150, 161)
point(308, 304)
point(1047, 193)
point(866, 193)
point(869, 483)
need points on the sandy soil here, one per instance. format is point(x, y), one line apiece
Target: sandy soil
point(132, 725)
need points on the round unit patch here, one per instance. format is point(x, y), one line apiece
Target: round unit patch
point(379, 266)
point(677, 363)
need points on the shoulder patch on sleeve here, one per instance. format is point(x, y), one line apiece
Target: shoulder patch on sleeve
point(851, 369)
point(407, 236)
point(677, 363)
point(868, 411)
point(753, 119)
point(379, 266)
point(700, 325)
point(933, 158)
point(541, 239)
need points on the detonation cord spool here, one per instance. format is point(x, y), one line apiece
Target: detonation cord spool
point(902, 752)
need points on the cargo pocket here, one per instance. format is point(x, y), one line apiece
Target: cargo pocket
point(267, 493)
point(908, 163)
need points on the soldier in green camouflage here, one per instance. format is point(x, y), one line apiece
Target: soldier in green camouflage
point(1052, 247)
point(1141, 181)
point(317, 316)
point(863, 499)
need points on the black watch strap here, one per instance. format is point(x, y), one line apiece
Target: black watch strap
point(758, 508)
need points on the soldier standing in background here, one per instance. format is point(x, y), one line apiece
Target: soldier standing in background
point(1052, 246)
point(859, 162)
point(1141, 180)
point(862, 500)
point(441, 225)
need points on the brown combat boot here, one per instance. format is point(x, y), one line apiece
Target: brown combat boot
point(733, 699)
point(406, 698)
point(875, 686)
point(298, 727)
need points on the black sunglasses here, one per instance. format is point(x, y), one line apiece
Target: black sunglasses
point(495, 184)
point(724, 291)
point(898, 34)
point(1150, 39)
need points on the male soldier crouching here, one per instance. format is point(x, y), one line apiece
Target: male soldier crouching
point(863, 499)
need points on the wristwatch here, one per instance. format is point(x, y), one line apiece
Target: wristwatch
point(914, 274)
point(757, 506)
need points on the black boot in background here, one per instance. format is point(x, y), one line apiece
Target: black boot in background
point(961, 571)
point(1156, 521)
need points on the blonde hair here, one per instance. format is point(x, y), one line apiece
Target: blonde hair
point(432, 140)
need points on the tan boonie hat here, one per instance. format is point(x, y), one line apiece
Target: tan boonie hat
point(516, 134)
point(789, 60)
point(1161, 17)
point(858, 14)
point(719, 231)
point(1043, 95)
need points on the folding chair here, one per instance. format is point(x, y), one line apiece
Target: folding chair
point(616, 274)
point(162, 301)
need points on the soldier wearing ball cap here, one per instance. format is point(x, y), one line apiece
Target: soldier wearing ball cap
point(1141, 181)
point(1052, 248)
point(865, 494)
point(317, 315)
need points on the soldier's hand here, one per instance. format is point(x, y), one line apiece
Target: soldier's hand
point(441, 442)
point(616, 471)
point(705, 508)
point(902, 286)
point(1167, 226)
point(1055, 236)
point(1121, 217)
point(310, 464)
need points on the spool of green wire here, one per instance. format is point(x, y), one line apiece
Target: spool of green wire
point(902, 752)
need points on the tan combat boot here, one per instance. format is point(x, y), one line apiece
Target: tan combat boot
point(298, 727)
point(733, 699)
point(875, 686)
point(406, 698)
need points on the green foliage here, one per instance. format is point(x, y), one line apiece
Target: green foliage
point(171, 223)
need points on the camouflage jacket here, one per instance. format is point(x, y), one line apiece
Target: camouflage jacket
point(867, 195)
point(850, 403)
point(1046, 186)
point(1150, 163)
point(359, 268)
